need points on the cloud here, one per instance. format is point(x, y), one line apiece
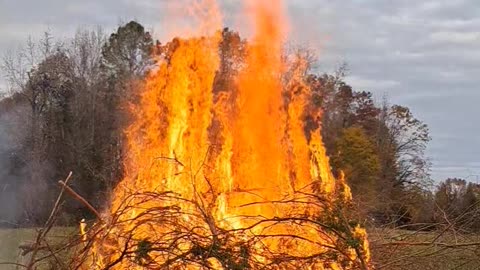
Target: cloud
point(456, 37)
point(364, 83)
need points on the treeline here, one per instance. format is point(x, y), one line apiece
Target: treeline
point(381, 150)
point(66, 113)
point(70, 100)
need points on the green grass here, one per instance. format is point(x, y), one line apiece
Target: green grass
point(10, 239)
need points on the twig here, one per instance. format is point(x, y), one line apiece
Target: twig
point(27, 248)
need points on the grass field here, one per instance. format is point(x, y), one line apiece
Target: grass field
point(10, 239)
point(410, 250)
point(412, 253)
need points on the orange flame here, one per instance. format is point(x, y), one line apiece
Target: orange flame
point(243, 156)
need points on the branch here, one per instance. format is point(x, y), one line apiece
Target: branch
point(79, 198)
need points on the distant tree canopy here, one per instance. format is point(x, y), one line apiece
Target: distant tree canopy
point(356, 156)
point(128, 52)
point(72, 105)
point(458, 202)
point(379, 147)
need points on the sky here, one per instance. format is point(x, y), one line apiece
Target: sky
point(421, 54)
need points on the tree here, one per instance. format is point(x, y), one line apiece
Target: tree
point(357, 157)
point(408, 138)
point(364, 112)
point(45, 98)
point(333, 97)
point(232, 53)
point(342, 106)
point(458, 203)
point(71, 96)
point(128, 52)
point(127, 57)
point(399, 140)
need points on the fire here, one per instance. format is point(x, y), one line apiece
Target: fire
point(230, 178)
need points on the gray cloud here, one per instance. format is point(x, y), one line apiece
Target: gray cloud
point(421, 54)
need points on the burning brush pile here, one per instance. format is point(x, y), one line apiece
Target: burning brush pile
point(227, 178)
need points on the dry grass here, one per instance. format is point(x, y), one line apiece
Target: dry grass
point(401, 249)
point(10, 239)
point(391, 248)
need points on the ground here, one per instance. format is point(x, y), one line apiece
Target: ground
point(10, 239)
point(395, 249)
point(385, 255)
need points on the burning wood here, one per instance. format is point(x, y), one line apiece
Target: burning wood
point(254, 188)
point(80, 199)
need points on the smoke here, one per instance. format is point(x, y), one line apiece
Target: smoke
point(19, 197)
point(13, 169)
